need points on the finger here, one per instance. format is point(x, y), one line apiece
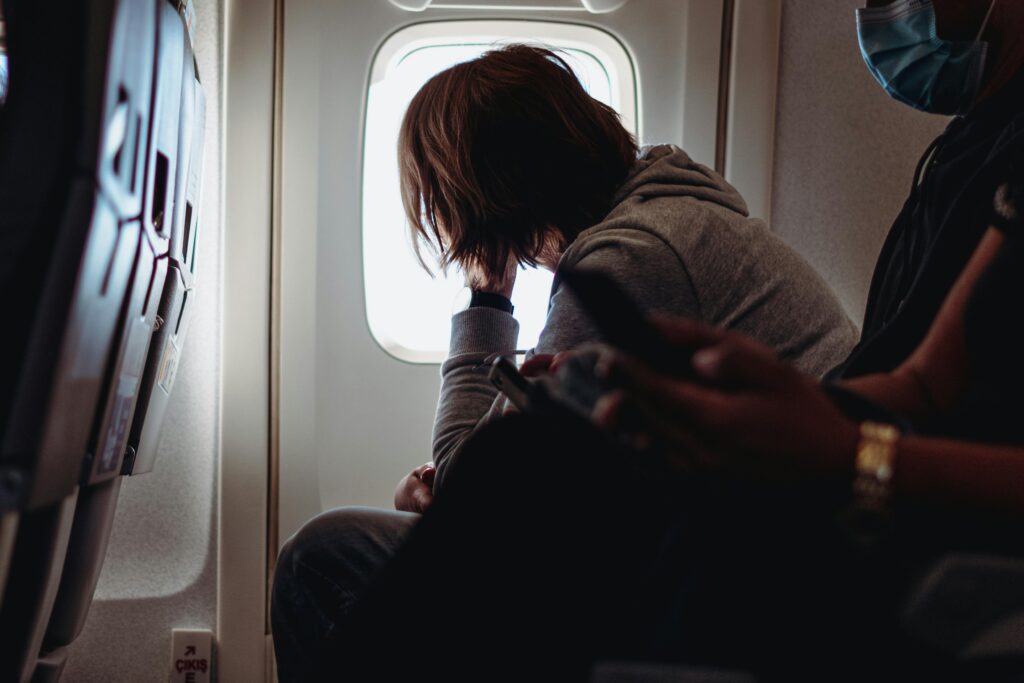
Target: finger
point(428, 475)
point(412, 494)
point(740, 363)
point(422, 499)
point(403, 494)
point(584, 350)
point(559, 360)
point(675, 398)
point(617, 411)
point(649, 431)
point(613, 412)
point(607, 412)
point(418, 472)
point(670, 440)
point(636, 377)
point(537, 365)
point(687, 332)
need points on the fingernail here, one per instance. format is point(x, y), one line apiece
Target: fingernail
point(601, 412)
point(705, 361)
point(603, 368)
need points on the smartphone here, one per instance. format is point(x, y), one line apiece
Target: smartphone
point(622, 324)
point(505, 375)
point(543, 396)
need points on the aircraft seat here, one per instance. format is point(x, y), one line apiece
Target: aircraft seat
point(178, 297)
point(972, 606)
point(91, 150)
point(159, 301)
point(68, 242)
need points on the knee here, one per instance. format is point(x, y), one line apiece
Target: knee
point(308, 542)
point(347, 545)
point(328, 534)
point(322, 570)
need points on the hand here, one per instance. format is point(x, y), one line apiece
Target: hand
point(536, 365)
point(480, 278)
point(547, 363)
point(415, 493)
point(749, 412)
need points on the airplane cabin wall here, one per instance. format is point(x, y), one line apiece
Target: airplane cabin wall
point(845, 151)
point(160, 571)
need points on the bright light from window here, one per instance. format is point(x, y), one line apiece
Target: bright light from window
point(409, 312)
point(3, 77)
point(3, 62)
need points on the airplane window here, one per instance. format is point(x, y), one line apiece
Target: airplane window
point(409, 311)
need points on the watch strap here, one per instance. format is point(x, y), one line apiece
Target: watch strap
point(491, 300)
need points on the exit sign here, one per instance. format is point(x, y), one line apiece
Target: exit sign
point(191, 656)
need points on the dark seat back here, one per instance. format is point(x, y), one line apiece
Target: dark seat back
point(152, 292)
point(71, 184)
point(90, 166)
point(72, 138)
point(178, 298)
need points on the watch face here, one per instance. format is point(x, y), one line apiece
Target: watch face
point(462, 300)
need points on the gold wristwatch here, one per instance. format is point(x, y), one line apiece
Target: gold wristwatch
point(876, 455)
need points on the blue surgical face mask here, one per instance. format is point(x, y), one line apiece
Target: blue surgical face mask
point(914, 65)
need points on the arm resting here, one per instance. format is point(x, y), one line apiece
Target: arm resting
point(468, 398)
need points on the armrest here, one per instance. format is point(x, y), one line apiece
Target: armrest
point(970, 606)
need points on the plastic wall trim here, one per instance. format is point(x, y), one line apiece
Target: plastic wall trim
point(724, 74)
point(702, 62)
point(248, 157)
point(753, 85)
point(274, 364)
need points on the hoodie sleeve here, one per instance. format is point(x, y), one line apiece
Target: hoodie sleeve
point(468, 399)
point(641, 262)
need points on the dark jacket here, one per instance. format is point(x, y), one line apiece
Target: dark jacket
point(941, 224)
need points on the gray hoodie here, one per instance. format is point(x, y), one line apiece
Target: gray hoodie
point(680, 241)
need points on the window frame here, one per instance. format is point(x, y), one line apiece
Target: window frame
point(602, 46)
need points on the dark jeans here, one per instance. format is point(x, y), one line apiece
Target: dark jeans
point(321, 572)
point(551, 548)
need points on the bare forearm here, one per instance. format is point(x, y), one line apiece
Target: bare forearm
point(897, 392)
point(932, 379)
point(944, 472)
point(960, 474)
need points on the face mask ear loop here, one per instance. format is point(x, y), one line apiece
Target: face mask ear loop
point(984, 24)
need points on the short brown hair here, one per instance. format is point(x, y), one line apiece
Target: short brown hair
point(496, 152)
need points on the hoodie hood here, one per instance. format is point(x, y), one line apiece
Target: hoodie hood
point(667, 171)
